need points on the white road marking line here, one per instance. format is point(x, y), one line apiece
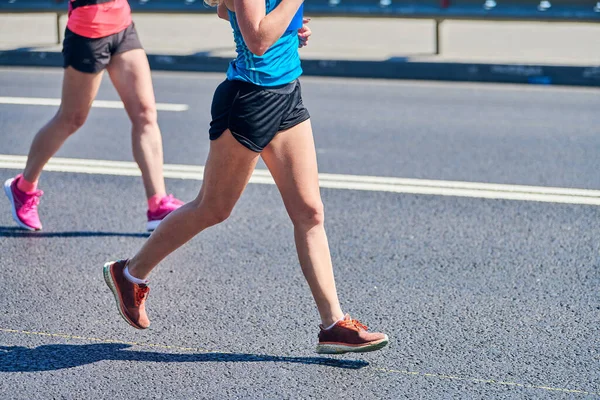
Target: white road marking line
point(336, 181)
point(36, 101)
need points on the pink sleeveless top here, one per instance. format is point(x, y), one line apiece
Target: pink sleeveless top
point(99, 20)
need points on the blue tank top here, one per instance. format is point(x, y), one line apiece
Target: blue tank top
point(278, 66)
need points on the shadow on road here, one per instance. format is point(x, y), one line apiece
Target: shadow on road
point(11, 231)
point(61, 356)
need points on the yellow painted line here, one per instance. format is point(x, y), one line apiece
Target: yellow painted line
point(383, 370)
point(509, 383)
point(488, 381)
point(91, 339)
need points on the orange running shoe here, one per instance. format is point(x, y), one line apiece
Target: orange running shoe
point(130, 297)
point(349, 336)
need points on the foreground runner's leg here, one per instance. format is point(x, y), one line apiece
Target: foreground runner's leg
point(228, 169)
point(292, 160)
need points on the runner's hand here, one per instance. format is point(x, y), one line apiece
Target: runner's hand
point(304, 33)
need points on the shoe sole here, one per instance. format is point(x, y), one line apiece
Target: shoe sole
point(9, 194)
point(113, 288)
point(332, 348)
point(152, 225)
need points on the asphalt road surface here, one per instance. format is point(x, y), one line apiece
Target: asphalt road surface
point(481, 298)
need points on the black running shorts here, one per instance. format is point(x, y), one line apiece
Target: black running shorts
point(254, 114)
point(93, 55)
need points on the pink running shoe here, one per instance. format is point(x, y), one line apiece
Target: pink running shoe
point(23, 205)
point(167, 205)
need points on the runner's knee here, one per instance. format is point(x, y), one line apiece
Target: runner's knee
point(144, 116)
point(72, 119)
point(213, 212)
point(308, 215)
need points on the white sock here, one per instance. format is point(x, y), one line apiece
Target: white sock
point(133, 279)
point(332, 325)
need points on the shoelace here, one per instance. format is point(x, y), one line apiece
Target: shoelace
point(33, 200)
point(353, 324)
point(140, 294)
point(170, 199)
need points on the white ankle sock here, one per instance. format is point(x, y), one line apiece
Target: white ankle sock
point(133, 279)
point(332, 325)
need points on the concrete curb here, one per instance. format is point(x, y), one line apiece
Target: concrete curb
point(389, 69)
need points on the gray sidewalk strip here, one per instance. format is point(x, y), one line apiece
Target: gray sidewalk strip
point(472, 51)
point(390, 69)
